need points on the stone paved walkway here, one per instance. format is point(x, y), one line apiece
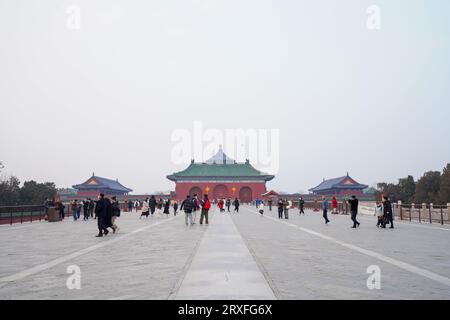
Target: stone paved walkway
point(239, 255)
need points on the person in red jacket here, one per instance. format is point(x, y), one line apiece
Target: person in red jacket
point(221, 203)
point(334, 205)
point(206, 205)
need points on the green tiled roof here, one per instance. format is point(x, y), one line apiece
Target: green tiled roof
point(203, 170)
point(220, 166)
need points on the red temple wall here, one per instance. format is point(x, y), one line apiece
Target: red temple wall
point(257, 188)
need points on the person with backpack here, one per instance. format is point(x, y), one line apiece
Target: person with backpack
point(206, 205)
point(187, 205)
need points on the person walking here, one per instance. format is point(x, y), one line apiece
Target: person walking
point(301, 205)
point(354, 210)
point(236, 205)
point(79, 206)
point(136, 205)
point(220, 205)
point(130, 205)
point(206, 205)
point(91, 207)
point(187, 205)
point(101, 209)
point(280, 208)
point(159, 207)
point(61, 208)
point(379, 213)
point(195, 207)
point(228, 204)
point(334, 205)
point(261, 208)
point(270, 204)
point(175, 207)
point(166, 208)
point(109, 214)
point(286, 206)
point(152, 204)
point(145, 208)
point(325, 209)
point(388, 215)
point(74, 208)
point(115, 214)
point(85, 210)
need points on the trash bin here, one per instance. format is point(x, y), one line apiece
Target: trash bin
point(52, 214)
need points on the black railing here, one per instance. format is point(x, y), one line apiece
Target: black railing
point(21, 214)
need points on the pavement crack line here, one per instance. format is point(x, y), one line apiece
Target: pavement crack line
point(173, 293)
point(400, 264)
point(44, 266)
point(260, 265)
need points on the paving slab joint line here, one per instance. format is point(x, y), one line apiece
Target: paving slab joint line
point(47, 265)
point(400, 264)
point(261, 268)
point(174, 292)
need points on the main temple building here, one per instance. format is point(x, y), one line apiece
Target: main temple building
point(221, 177)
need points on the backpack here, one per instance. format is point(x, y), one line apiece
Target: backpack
point(207, 205)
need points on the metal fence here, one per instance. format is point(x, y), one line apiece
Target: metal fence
point(21, 214)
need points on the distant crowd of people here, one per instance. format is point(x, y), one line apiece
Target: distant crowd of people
point(107, 210)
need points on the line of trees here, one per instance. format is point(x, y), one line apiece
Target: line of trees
point(30, 193)
point(432, 187)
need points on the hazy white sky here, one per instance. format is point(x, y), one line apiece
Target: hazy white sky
point(107, 97)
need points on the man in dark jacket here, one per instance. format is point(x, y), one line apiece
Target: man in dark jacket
point(387, 210)
point(301, 205)
point(354, 210)
point(152, 204)
point(101, 211)
point(236, 205)
point(187, 206)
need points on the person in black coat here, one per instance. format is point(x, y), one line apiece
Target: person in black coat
point(101, 211)
point(236, 205)
point(388, 216)
point(152, 205)
point(166, 207)
point(175, 208)
point(109, 213)
point(354, 210)
point(280, 209)
point(301, 205)
point(85, 210)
